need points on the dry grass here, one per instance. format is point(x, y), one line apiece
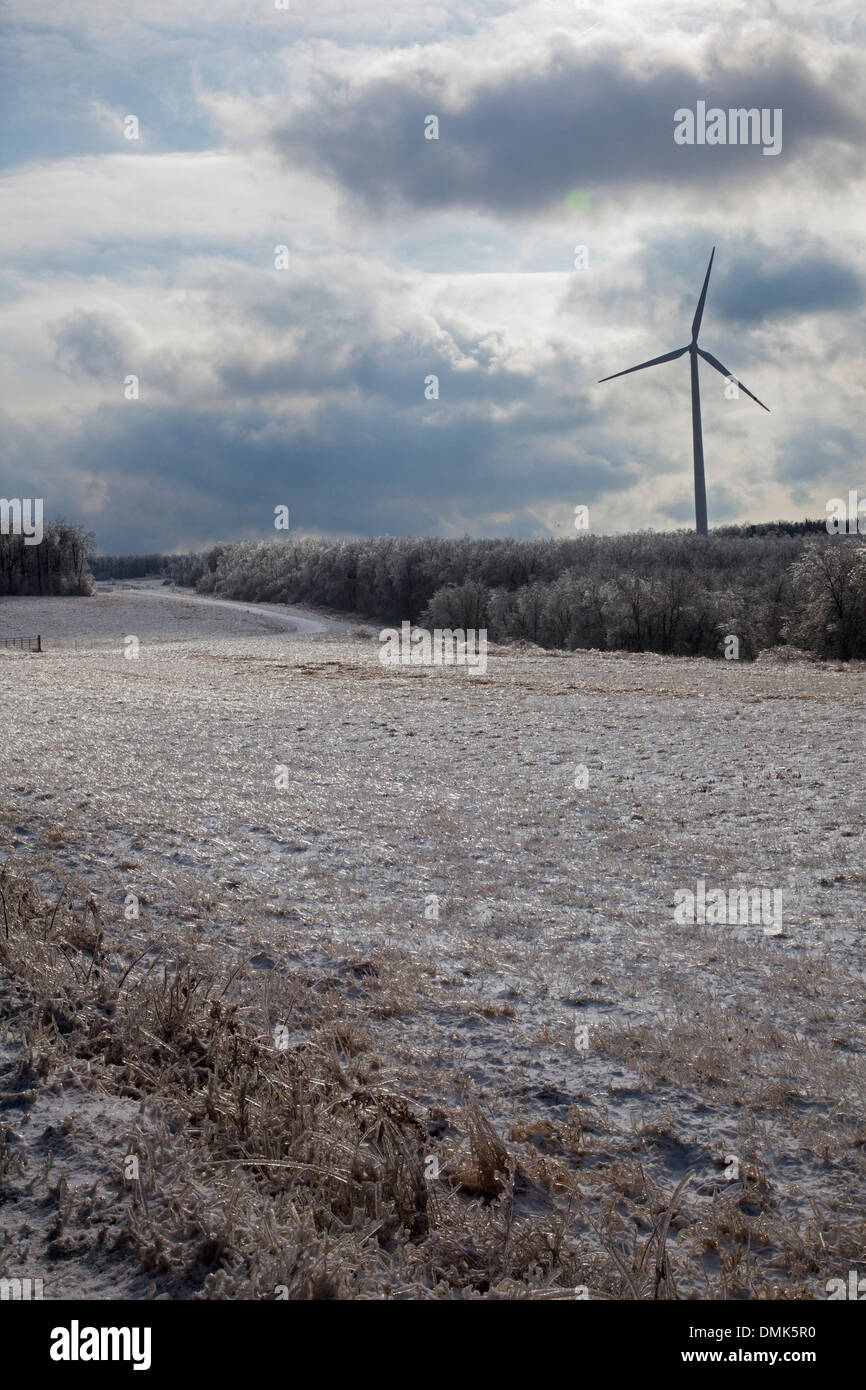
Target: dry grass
point(303, 1171)
point(269, 1171)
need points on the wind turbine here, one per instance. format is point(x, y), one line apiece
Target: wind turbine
point(697, 438)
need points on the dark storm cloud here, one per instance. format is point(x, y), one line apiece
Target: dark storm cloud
point(821, 453)
point(753, 288)
point(754, 284)
point(171, 478)
point(520, 142)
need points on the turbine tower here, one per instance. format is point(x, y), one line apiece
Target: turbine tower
point(697, 437)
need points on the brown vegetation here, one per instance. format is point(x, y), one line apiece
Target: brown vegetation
point(270, 1171)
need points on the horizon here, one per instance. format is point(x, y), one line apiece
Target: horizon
point(370, 266)
point(819, 522)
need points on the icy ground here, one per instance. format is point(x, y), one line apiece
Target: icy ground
point(157, 777)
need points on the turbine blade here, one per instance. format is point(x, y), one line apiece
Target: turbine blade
point(714, 362)
point(699, 312)
point(668, 357)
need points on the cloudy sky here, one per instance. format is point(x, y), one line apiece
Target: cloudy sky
point(408, 257)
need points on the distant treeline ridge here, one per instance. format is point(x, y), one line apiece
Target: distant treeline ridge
point(771, 585)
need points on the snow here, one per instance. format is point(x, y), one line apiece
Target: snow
point(156, 776)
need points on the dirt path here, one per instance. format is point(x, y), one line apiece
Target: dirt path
point(154, 614)
point(283, 617)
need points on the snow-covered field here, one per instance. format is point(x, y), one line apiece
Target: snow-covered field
point(257, 777)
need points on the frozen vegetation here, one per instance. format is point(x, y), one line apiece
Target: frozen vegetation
point(677, 594)
point(440, 911)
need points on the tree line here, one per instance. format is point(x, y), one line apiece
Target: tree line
point(126, 566)
point(782, 584)
point(57, 565)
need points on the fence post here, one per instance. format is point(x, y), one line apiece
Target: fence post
point(39, 641)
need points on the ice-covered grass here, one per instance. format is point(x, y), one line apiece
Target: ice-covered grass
point(490, 931)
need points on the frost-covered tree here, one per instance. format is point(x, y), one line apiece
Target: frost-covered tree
point(58, 564)
point(829, 593)
point(676, 592)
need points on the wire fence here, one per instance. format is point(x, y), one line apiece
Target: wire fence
point(86, 643)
